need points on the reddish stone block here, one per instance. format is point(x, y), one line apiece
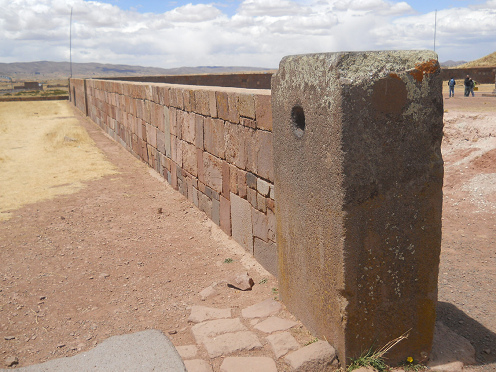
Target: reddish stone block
point(173, 121)
point(263, 111)
point(212, 104)
point(248, 123)
point(174, 175)
point(143, 131)
point(189, 159)
point(222, 105)
point(212, 169)
point(151, 135)
point(161, 142)
point(242, 189)
point(233, 179)
point(261, 206)
point(265, 163)
point(232, 99)
point(225, 215)
point(213, 137)
point(226, 179)
point(251, 196)
point(159, 113)
point(199, 160)
point(236, 143)
point(246, 105)
point(147, 111)
point(202, 104)
point(199, 131)
point(270, 204)
point(187, 99)
point(188, 128)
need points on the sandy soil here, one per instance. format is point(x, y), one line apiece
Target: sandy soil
point(79, 267)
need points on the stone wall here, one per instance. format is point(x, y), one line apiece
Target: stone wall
point(214, 145)
point(482, 75)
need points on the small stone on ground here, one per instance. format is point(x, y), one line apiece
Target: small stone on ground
point(262, 309)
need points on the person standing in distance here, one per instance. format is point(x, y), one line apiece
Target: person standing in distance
point(467, 85)
point(451, 84)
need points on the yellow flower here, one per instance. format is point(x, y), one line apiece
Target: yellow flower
point(409, 360)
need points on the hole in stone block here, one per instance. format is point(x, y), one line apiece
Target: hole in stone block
point(298, 120)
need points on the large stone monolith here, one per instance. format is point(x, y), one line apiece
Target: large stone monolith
point(358, 181)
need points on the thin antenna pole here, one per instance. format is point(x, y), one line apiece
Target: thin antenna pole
point(70, 42)
point(435, 29)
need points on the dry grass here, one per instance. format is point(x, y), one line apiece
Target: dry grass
point(44, 152)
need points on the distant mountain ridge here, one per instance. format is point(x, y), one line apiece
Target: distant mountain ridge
point(45, 70)
point(487, 61)
point(451, 63)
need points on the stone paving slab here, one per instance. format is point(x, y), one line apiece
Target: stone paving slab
point(229, 343)
point(274, 324)
point(314, 357)
point(282, 343)
point(212, 328)
point(202, 313)
point(262, 309)
point(248, 364)
point(197, 365)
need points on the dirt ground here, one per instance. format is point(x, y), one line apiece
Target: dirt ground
point(100, 260)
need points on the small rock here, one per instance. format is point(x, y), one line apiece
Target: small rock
point(104, 275)
point(160, 211)
point(42, 298)
point(11, 361)
point(242, 282)
point(207, 292)
point(59, 346)
point(173, 332)
point(8, 338)
point(487, 351)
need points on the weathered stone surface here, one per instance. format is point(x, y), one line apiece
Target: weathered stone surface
point(187, 351)
point(212, 328)
point(197, 365)
point(282, 343)
point(248, 364)
point(213, 137)
point(318, 356)
point(242, 282)
point(190, 163)
point(225, 215)
point(202, 313)
point(207, 292)
point(263, 187)
point(188, 129)
point(274, 324)
point(264, 111)
point(260, 224)
point(357, 140)
point(266, 255)
point(262, 309)
point(212, 172)
point(236, 144)
point(216, 211)
point(229, 343)
point(241, 222)
point(450, 347)
point(246, 105)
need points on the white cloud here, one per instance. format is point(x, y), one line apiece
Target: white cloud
point(260, 34)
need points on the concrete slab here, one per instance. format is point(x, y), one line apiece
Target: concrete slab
point(142, 351)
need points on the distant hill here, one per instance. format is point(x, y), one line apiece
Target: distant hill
point(45, 70)
point(451, 63)
point(487, 61)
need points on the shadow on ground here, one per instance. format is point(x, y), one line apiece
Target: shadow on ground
point(481, 338)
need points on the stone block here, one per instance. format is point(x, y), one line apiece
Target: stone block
point(202, 102)
point(260, 224)
point(251, 180)
point(236, 136)
point(271, 225)
point(216, 211)
point(197, 365)
point(225, 215)
point(274, 324)
point(263, 187)
point(241, 222)
point(246, 105)
point(233, 179)
point(187, 99)
point(229, 343)
point(205, 204)
point(161, 141)
point(212, 194)
point(174, 130)
point(199, 160)
point(248, 364)
point(282, 343)
point(190, 163)
point(226, 179)
point(359, 174)
point(187, 351)
point(202, 313)
point(262, 309)
point(242, 188)
point(319, 356)
point(199, 131)
point(212, 172)
point(212, 328)
point(263, 109)
point(212, 103)
point(250, 123)
point(222, 105)
point(188, 128)
point(180, 116)
point(266, 254)
point(213, 137)
point(232, 99)
point(261, 203)
point(167, 132)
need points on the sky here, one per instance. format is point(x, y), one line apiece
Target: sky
point(255, 33)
